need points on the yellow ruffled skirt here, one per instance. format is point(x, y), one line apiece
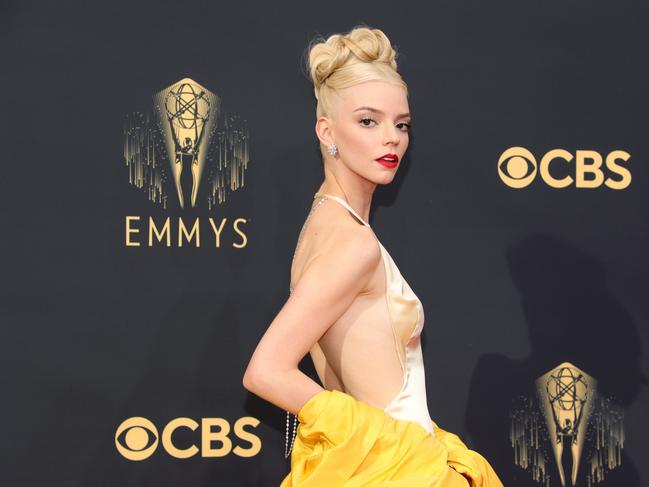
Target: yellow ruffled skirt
point(341, 441)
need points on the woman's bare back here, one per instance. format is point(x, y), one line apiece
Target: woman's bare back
point(359, 353)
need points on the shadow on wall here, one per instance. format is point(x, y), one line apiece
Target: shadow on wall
point(571, 317)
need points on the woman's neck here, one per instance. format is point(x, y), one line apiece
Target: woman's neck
point(359, 199)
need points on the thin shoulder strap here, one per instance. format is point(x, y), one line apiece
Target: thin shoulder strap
point(344, 203)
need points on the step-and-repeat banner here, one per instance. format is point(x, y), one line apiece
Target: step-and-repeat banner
point(159, 159)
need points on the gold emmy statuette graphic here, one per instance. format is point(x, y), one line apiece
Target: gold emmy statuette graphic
point(186, 114)
point(566, 419)
point(186, 144)
point(566, 395)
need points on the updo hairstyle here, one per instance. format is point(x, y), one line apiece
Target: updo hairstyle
point(344, 60)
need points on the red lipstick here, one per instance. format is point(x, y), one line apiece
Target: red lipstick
point(388, 160)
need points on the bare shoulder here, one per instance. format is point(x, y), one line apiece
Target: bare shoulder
point(338, 226)
point(341, 248)
point(340, 263)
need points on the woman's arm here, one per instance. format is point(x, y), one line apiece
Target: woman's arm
point(326, 288)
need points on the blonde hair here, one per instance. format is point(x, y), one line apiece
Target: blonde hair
point(344, 60)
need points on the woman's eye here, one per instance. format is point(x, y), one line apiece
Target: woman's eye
point(365, 122)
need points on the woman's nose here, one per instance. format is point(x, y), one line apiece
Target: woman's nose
point(392, 136)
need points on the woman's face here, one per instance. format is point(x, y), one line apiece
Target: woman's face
point(372, 120)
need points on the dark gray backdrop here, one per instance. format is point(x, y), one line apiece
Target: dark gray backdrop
point(513, 282)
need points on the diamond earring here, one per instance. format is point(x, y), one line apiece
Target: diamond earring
point(332, 149)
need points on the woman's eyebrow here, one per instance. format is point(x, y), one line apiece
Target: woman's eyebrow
point(376, 110)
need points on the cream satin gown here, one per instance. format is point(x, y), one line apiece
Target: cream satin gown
point(342, 441)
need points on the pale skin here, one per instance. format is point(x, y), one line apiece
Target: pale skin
point(338, 261)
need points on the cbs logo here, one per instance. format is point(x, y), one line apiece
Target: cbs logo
point(517, 168)
point(137, 438)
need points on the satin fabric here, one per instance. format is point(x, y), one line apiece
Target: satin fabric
point(406, 318)
point(407, 313)
point(341, 441)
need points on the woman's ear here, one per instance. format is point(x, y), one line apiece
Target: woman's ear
point(324, 131)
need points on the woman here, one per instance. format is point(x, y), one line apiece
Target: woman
point(350, 307)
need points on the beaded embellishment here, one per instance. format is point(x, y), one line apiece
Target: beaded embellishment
point(287, 448)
